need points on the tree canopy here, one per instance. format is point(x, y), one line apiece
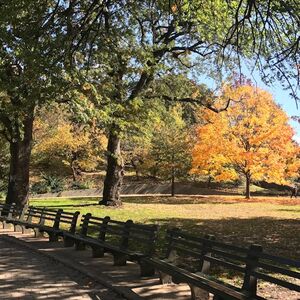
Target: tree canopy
point(103, 56)
point(252, 138)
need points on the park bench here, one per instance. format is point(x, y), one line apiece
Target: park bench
point(124, 240)
point(198, 261)
point(9, 212)
point(53, 222)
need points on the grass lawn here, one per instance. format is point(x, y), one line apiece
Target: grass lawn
point(272, 222)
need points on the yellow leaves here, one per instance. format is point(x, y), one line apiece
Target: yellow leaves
point(195, 94)
point(227, 175)
point(63, 140)
point(57, 138)
point(86, 87)
point(174, 8)
point(252, 135)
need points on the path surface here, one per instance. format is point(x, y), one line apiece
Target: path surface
point(27, 275)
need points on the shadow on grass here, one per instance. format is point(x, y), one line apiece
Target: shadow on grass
point(277, 236)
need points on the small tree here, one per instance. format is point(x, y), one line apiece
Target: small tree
point(252, 138)
point(170, 155)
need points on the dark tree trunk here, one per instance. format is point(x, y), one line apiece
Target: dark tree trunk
point(134, 163)
point(209, 182)
point(20, 152)
point(75, 169)
point(248, 181)
point(173, 182)
point(114, 172)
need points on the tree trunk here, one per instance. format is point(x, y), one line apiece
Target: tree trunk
point(20, 152)
point(209, 182)
point(248, 181)
point(75, 169)
point(173, 182)
point(134, 163)
point(114, 172)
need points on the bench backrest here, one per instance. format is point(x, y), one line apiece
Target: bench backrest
point(143, 238)
point(103, 228)
point(57, 219)
point(208, 256)
point(7, 210)
point(67, 220)
point(93, 226)
point(126, 235)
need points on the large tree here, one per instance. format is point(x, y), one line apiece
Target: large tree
point(33, 36)
point(252, 139)
point(140, 41)
point(127, 44)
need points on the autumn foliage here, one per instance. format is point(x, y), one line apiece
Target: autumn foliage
point(252, 138)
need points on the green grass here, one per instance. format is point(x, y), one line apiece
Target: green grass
point(272, 222)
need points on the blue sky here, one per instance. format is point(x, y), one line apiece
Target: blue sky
point(282, 97)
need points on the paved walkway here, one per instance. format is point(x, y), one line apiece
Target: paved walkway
point(27, 275)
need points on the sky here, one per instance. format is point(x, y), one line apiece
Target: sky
point(287, 103)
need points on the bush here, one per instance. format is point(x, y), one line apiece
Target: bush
point(49, 184)
point(40, 187)
point(77, 185)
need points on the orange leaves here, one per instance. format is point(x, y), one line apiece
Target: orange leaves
point(253, 136)
point(174, 8)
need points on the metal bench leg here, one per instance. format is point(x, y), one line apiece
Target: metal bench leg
point(37, 233)
point(97, 252)
point(120, 259)
point(68, 242)
point(6, 225)
point(198, 294)
point(25, 230)
point(216, 297)
point(165, 278)
point(17, 228)
point(146, 269)
point(53, 237)
point(79, 246)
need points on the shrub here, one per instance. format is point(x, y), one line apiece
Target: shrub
point(49, 184)
point(40, 187)
point(77, 185)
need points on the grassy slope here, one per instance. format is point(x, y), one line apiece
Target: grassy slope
point(272, 222)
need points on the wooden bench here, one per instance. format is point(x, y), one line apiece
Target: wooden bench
point(53, 222)
point(199, 261)
point(9, 212)
point(124, 240)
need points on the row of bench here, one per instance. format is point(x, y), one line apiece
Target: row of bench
point(188, 259)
